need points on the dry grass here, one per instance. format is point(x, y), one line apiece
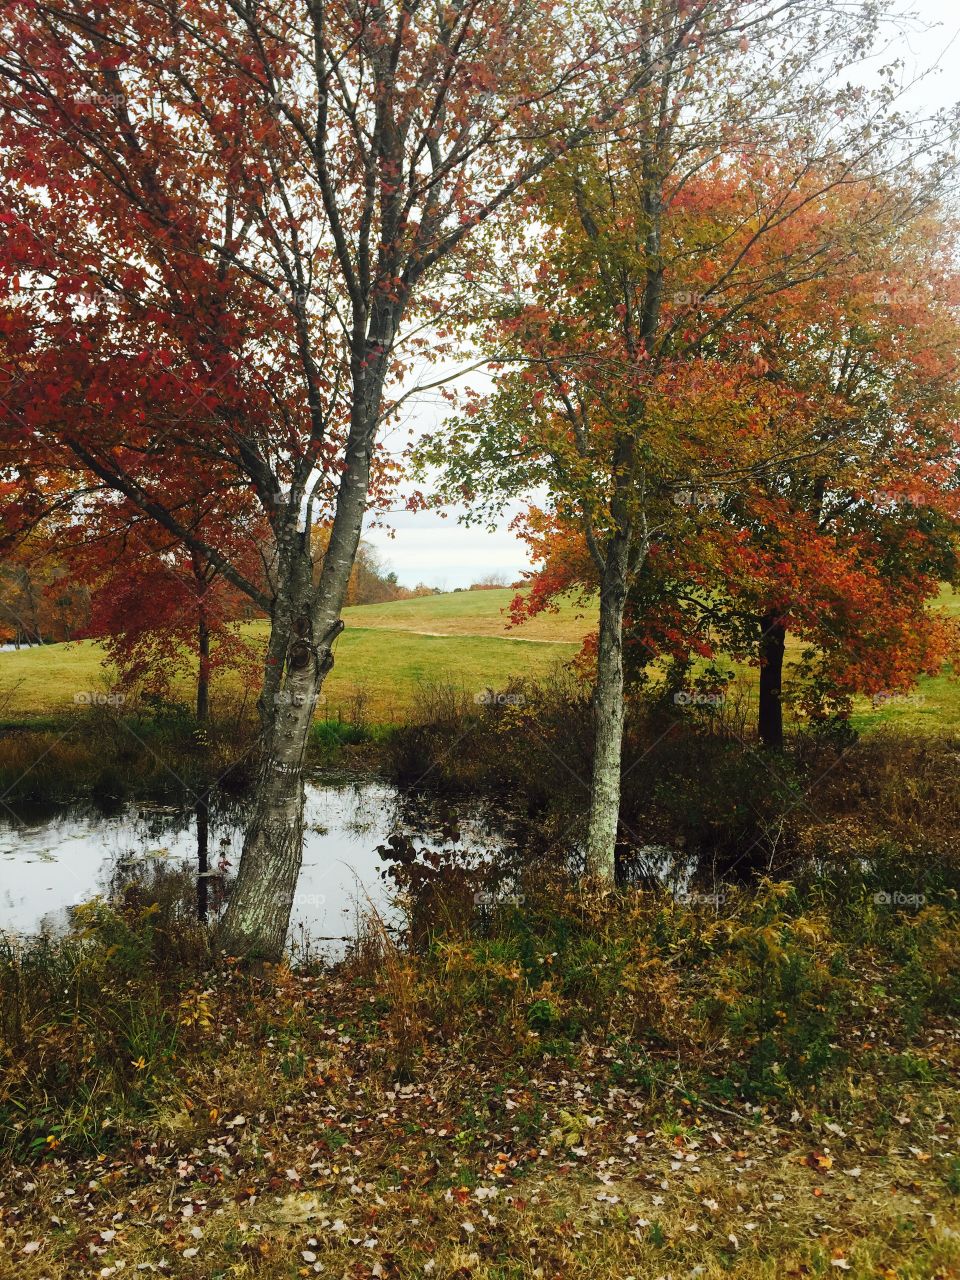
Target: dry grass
point(273, 1165)
point(285, 1136)
point(560, 1220)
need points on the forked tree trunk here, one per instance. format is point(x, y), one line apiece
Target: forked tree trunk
point(305, 623)
point(770, 717)
point(608, 716)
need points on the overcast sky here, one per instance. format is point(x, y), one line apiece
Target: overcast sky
point(426, 548)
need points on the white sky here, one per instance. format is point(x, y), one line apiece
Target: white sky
point(427, 548)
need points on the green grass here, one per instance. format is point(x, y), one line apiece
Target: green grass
point(933, 706)
point(478, 613)
point(388, 652)
point(379, 671)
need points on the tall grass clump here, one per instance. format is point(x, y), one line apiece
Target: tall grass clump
point(745, 992)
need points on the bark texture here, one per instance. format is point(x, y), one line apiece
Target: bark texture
point(608, 716)
point(304, 624)
point(257, 917)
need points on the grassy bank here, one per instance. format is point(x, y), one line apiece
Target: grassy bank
point(159, 751)
point(565, 1085)
point(692, 782)
point(757, 1078)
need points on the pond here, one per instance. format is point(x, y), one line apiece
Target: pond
point(362, 837)
point(52, 859)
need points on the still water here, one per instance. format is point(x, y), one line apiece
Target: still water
point(359, 833)
point(52, 859)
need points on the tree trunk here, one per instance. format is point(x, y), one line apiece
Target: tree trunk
point(770, 719)
point(203, 675)
point(305, 623)
point(203, 638)
point(608, 716)
point(255, 922)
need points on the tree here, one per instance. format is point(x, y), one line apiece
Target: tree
point(219, 218)
point(836, 516)
point(657, 246)
point(40, 602)
point(845, 523)
point(153, 602)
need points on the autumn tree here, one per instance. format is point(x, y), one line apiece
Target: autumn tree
point(847, 523)
point(880, 499)
point(40, 600)
point(615, 393)
point(835, 517)
point(226, 230)
point(153, 602)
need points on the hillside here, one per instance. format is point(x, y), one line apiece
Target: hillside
point(474, 613)
point(385, 658)
point(390, 653)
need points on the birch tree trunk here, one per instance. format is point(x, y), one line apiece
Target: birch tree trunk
point(305, 623)
point(608, 715)
point(255, 922)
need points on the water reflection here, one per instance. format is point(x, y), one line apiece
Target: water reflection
point(203, 863)
point(416, 858)
point(52, 858)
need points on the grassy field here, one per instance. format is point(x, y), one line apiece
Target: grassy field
point(390, 652)
point(475, 613)
point(384, 658)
